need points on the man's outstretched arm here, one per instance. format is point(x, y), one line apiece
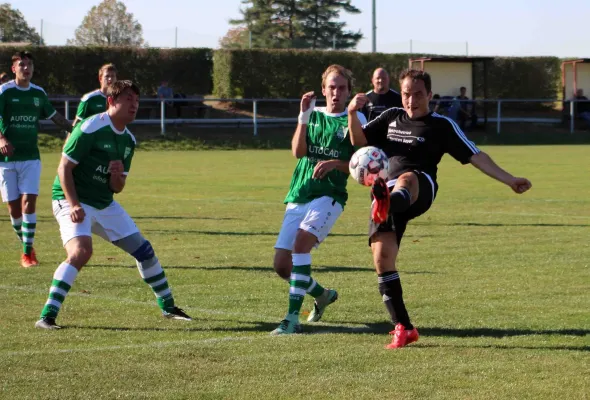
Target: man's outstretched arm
point(485, 164)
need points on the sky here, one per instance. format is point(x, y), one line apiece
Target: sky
point(458, 27)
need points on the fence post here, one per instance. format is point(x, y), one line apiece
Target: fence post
point(255, 117)
point(572, 116)
point(499, 117)
point(163, 118)
point(67, 110)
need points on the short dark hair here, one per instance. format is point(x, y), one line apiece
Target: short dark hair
point(417, 75)
point(21, 55)
point(119, 87)
point(462, 88)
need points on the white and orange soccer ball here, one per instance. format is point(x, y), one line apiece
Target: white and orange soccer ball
point(367, 164)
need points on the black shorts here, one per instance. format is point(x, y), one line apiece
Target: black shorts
point(397, 222)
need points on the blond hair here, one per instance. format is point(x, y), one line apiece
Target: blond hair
point(339, 70)
point(106, 68)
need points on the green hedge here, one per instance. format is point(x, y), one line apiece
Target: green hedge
point(289, 73)
point(261, 73)
point(74, 70)
point(520, 77)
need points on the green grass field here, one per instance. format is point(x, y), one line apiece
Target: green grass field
point(497, 284)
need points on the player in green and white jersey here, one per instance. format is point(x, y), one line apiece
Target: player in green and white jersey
point(317, 194)
point(94, 166)
point(22, 105)
point(95, 102)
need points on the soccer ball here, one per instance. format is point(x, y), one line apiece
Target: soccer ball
point(368, 164)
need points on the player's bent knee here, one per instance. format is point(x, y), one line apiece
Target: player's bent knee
point(304, 242)
point(29, 200)
point(410, 181)
point(145, 252)
point(282, 263)
point(384, 263)
point(15, 208)
point(137, 246)
point(79, 256)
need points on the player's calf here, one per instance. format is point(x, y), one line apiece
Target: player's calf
point(79, 251)
point(152, 273)
point(63, 279)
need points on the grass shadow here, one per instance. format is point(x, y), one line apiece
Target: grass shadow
point(501, 347)
point(315, 268)
point(370, 328)
point(501, 225)
point(230, 233)
point(496, 333)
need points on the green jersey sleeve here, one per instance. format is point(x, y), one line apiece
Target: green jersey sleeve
point(82, 111)
point(48, 111)
point(78, 145)
point(127, 158)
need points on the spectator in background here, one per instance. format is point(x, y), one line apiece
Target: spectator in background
point(583, 106)
point(463, 110)
point(435, 103)
point(4, 77)
point(381, 97)
point(165, 92)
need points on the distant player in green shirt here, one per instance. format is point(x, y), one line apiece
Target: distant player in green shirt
point(94, 166)
point(95, 102)
point(22, 105)
point(317, 193)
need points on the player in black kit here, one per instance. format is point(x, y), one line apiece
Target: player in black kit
point(382, 97)
point(415, 140)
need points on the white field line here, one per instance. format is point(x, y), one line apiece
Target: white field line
point(31, 289)
point(159, 344)
point(163, 344)
point(350, 328)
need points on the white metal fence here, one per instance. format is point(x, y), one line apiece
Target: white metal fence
point(489, 110)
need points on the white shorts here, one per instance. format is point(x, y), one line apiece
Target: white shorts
point(316, 217)
point(111, 223)
point(19, 177)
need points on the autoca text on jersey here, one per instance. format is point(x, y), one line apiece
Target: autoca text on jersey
point(23, 118)
point(325, 151)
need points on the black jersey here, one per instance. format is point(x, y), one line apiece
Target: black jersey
point(417, 144)
point(380, 102)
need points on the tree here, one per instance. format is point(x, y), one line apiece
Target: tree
point(108, 24)
point(14, 28)
point(321, 31)
point(262, 21)
point(235, 38)
point(298, 23)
